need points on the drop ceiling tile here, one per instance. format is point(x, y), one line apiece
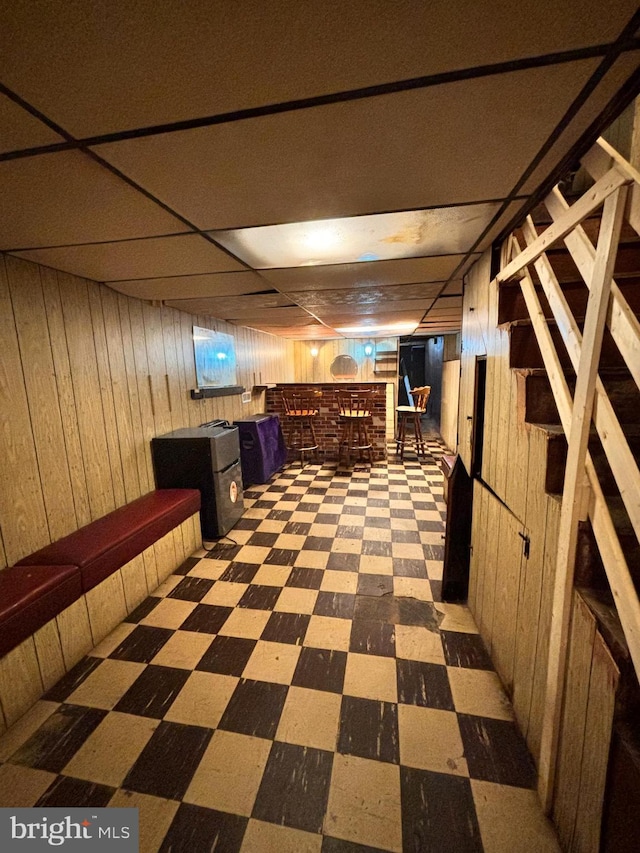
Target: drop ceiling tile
point(494, 230)
point(337, 276)
point(82, 63)
point(448, 302)
point(364, 295)
point(273, 316)
point(19, 129)
point(328, 312)
point(438, 329)
point(186, 287)
point(453, 323)
point(451, 319)
point(266, 316)
point(453, 288)
point(608, 86)
point(63, 198)
point(461, 142)
point(379, 237)
point(309, 332)
point(154, 256)
point(238, 307)
point(382, 317)
point(444, 313)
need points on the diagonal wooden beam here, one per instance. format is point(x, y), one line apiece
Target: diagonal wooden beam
point(623, 323)
point(586, 204)
point(620, 581)
point(623, 464)
point(600, 158)
point(578, 437)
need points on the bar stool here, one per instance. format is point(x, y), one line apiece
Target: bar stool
point(300, 409)
point(412, 414)
point(355, 415)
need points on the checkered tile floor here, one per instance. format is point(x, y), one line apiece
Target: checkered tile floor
point(301, 690)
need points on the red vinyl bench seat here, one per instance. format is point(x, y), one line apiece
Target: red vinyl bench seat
point(99, 549)
point(42, 585)
point(30, 596)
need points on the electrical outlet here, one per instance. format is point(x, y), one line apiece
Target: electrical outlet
point(246, 396)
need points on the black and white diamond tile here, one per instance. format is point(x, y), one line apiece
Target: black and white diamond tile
point(297, 687)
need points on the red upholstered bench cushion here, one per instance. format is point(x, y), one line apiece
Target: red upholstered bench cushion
point(102, 547)
point(30, 596)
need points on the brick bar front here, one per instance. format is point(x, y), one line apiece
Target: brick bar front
point(326, 423)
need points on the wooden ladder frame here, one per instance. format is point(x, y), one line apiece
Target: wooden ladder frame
point(617, 190)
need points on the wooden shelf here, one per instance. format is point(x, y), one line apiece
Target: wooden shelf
point(383, 362)
point(224, 391)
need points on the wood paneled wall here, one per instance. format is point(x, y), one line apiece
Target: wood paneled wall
point(87, 377)
point(310, 368)
point(510, 591)
point(510, 503)
point(449, 406)
point(475, 326)
point(585, 736)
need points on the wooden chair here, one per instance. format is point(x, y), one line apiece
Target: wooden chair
point(300, 409)
point(355, 415)
point(412, 414)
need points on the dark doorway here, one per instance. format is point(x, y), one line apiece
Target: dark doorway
point(455, 578)
point(433, 376)
point(422, 363)
point(412, 364)
point(477, 439)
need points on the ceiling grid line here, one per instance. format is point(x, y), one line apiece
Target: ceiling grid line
point(339, 174)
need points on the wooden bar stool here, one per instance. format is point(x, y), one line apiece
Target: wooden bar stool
point(300, 408)
point(355, 415)
point(412, 414)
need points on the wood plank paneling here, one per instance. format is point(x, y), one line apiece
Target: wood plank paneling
point(76, 414)
point(172, 377)
point(135, 404)
point(120, 390)
point(449, 408)
point(142, 374)
point(492, 532)
point(595, 752)
point(538, 691)
point(66, 399)
point(518, 453)
point(511, 598)
point(156, 366)
point(82, 359)
point(527, 626)
point(502, 420)
point(186, 339)
point(75, 632)
point(22, 511)
point(587, 719)
point(475, 312)
point(20, 680)
point(106, 395)
point(49, 654)
point(476, 562)
point(507, 589)
point(583, 630)
point(42, 398)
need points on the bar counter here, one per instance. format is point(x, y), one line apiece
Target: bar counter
point(326, 422)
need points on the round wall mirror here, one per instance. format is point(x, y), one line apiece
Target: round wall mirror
point(344, 367)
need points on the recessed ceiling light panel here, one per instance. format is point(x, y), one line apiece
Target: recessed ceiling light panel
point(383, 236)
